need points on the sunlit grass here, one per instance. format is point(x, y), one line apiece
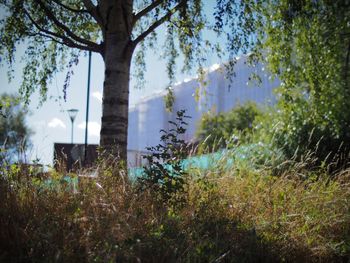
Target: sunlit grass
point(240, 214)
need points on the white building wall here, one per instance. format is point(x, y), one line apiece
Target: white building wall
point(149, 116)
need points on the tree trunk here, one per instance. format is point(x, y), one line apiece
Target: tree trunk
point(117, 54)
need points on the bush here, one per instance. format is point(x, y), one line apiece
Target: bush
point(165, 174)
point(225, 128)
point(306, 45)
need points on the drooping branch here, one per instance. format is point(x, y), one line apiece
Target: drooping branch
point(160, 21)
point(65, 43)
point(49, 38)
point(60, 25)
point(57, 37)
point(146, 10)
point(58, 2)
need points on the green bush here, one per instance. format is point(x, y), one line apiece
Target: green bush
point(306, 44)
point(226, 128)
point(164, 173)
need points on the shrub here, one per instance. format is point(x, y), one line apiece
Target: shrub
point(306, 44)
point(165, 174)
point(220, 130)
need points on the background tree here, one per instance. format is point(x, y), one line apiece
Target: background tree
point(54, 31)
point(14, 132)
point(307, 45)
point(219, 131)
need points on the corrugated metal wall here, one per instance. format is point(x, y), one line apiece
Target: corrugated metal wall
point(149, 116)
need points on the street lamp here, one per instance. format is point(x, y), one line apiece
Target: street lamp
point(72, 114)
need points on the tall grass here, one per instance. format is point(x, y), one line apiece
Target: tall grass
point(239, 215)
point(303, 219)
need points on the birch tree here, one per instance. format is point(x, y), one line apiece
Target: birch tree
point(56, 31)
point(307, 46)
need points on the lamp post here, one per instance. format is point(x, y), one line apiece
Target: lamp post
point(87, 109)
point(72, 114)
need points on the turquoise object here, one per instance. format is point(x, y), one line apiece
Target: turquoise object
point(226, 158)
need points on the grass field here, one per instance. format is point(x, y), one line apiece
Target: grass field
point(221, 215)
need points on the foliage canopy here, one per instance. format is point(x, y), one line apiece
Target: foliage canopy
point(221, 130)
point(55, 32)
point(14, 131)
point(306, 44)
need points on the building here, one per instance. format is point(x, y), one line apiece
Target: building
point(216, 93)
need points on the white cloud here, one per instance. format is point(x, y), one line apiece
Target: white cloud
point(93, 128)
point(97, 95)
point(55, 122)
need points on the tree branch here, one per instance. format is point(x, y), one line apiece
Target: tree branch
point(49, 38)
point(347, 61)
point(146, 10)
point(159, 22)
point(58, 2)
point(53, 18)
point(65, 43)
point(55, 36)
point(93, 11)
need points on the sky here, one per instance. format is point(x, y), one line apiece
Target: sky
point(51, 123)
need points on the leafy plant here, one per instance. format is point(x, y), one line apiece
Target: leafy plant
point(169, 99)
point(220, 130)
point(165, 174)
point(306, 44)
